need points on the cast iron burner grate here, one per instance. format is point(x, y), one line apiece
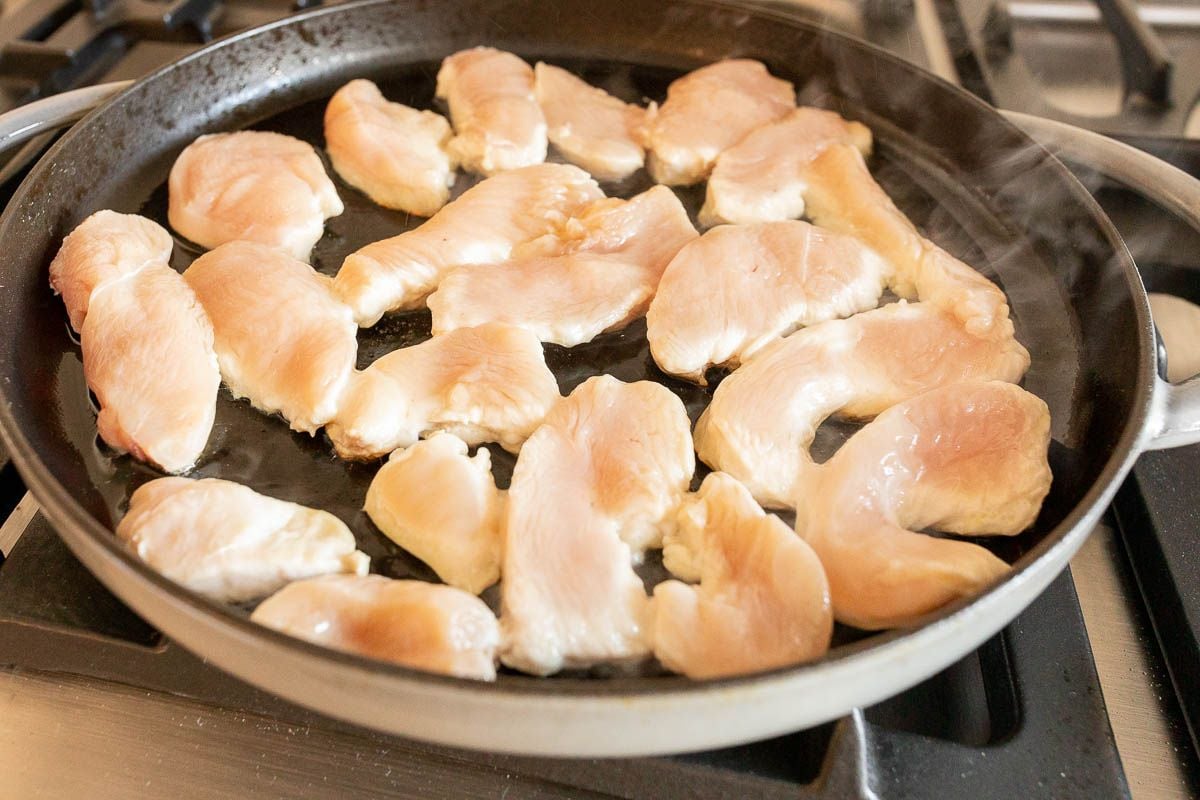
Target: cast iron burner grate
point(1021, 717)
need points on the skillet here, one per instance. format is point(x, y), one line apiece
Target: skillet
point(972, 180)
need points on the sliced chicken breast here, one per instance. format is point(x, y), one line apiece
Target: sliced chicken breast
point(606, 267)
point(394, 154)
point(498, 123)
point(762, 601)
point(707, 111)
point(594, 486)
point(484, 384)
point(443, 507)
point(968, 458)
point(147, 344)
point(230, 543)
point(148, 357)
point(763, 416)
point(764, 177)
point(589, 126)
point(843, 196)
point(254, 186)
point(480, 227)
point(284, 341)
point(102, 249)
point(740, 287)
point(420, 625)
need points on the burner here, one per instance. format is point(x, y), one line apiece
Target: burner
point(49, 47)
point(1100, 65)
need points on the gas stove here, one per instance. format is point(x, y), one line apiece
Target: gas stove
point(96, 703)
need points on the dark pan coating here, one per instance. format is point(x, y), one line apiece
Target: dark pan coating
point(972, 182)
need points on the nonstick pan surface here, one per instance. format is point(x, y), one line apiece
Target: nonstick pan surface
point(971, 181)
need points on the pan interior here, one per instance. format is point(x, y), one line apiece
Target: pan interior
point(968, 181)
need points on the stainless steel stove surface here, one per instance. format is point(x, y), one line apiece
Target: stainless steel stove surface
point(95, 703)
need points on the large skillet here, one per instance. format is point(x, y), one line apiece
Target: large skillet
point(972, 179)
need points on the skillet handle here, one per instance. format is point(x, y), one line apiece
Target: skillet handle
point(1175, 408)
point(51, 113)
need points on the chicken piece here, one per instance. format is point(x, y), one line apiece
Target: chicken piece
point(589, 126)
point(283, 340)
point(480, 227)
point(594, 487)
point(103, 249)
point(968, 458)
point(566, 300)
point(764, 177)
point(756, 283)
point(230, 543)
point(762, 602)
point(707, 111)
point(420, 625)
point(842, 196)
point(763, 416)
point(609, 263)
point(396, 155)
point(147, 345)
point(498, 123)
point(251, 186)
point(442, 507)
point(484, 384)
point(148, 357)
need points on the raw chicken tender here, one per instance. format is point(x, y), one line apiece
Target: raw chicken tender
point(480, 227)
point(497, 120)
point(609, 262)
point(484, 384)
point(756, 283)
point(594, 487)
point(764, 177)
point(417, 624)
point(102, 250)
point(395, 154)
point(707, 111)
point(843, 196)
point(252, 186)
point(442, 507)
point(589, 126)
point(230, 543)
point(763, 416)
point(968, 458)
point(762, 602)
point(147, 344)
point(283, 339)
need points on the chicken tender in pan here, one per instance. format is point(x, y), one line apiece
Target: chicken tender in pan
point(230, 543)
point(253, 186)
point(968, 458)
point(420, 625)
point(395, 154)
point(498, 123)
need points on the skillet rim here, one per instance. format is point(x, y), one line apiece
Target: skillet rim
point(67, 514)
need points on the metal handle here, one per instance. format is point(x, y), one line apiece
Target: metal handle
point(1175, 414)
point(53, 112)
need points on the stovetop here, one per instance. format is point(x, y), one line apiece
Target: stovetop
point(94, 702)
